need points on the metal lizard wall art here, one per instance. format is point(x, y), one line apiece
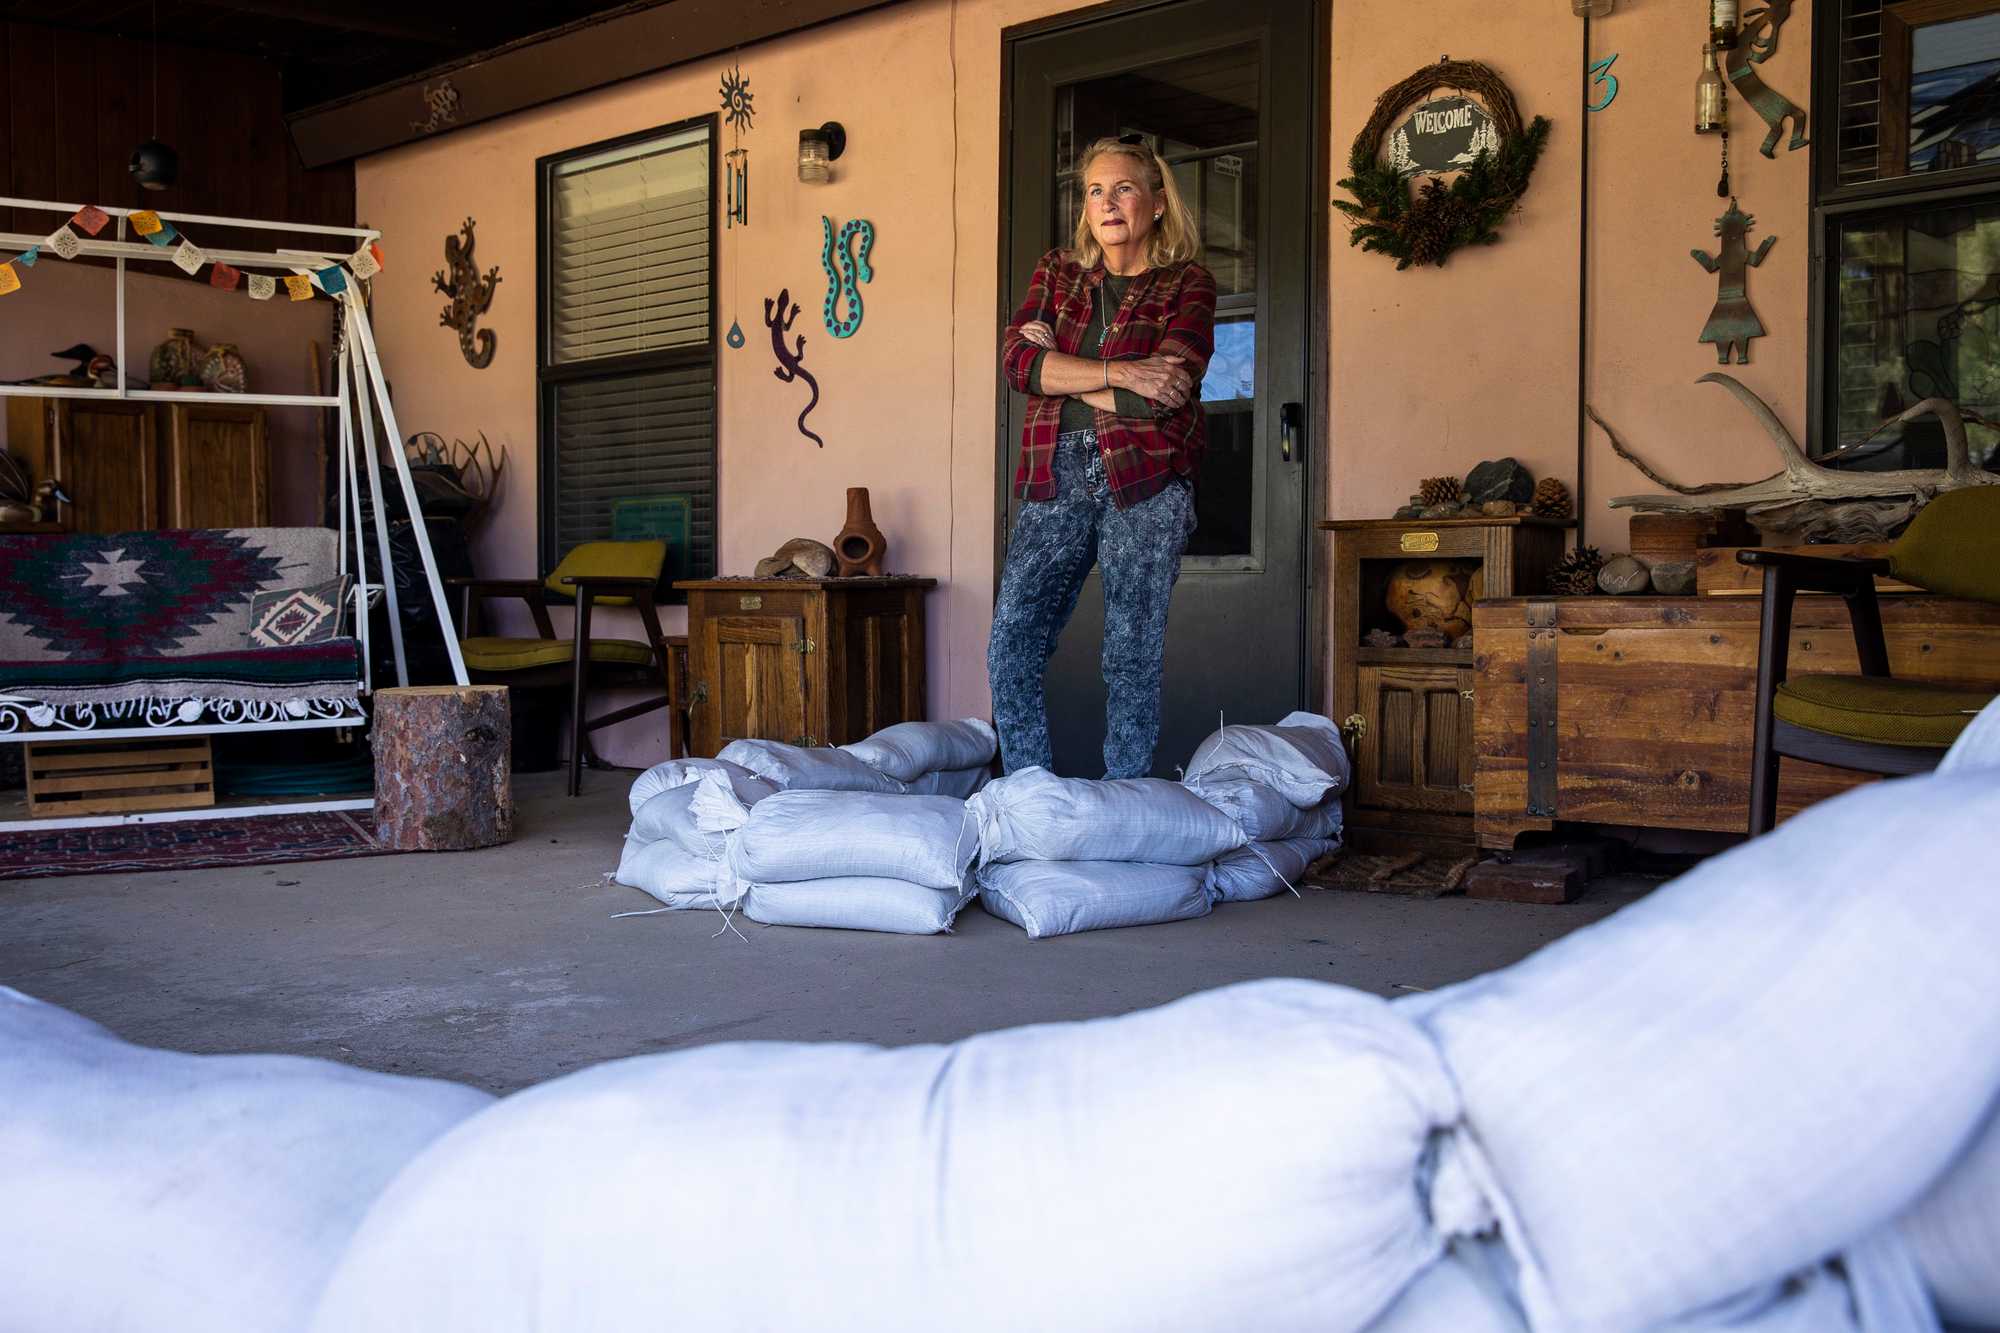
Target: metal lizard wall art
point(1757, 41)
point(778, 317)
point(1732, 323)
point(470, 296)
point(846, 280)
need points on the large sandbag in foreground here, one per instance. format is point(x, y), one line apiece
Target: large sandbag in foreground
point(1754, 1067)
point(910, 750)
point(1077, 1176)
point(1033, 815)
point(155, 1192)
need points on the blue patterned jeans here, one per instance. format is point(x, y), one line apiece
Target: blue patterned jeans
point(1055, 542)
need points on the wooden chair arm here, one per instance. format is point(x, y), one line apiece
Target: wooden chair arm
point(616, 585)
point(1816, 573)
point(530, 591)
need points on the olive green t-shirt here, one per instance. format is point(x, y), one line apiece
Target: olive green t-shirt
point(1077, 414)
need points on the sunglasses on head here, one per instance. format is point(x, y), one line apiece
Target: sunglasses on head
point(1133, 140)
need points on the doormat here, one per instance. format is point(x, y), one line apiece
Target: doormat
point(1411, 874)
point(192, 844)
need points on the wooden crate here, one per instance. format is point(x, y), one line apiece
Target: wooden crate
point(119, 777)
point(1646, 703)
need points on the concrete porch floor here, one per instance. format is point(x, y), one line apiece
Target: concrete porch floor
point(504, 967)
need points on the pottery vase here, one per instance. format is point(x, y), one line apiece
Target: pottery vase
point(222, 370)
point(173, 359)
point(860, 547)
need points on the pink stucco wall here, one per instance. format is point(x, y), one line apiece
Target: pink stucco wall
point(1430, 371)
point(61, 304)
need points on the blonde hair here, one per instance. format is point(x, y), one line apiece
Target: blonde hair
point(1174, 239)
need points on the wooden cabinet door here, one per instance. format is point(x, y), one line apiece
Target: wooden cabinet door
point(106, 459)
point(752, 683)
point(1416, 753)
point(218, 466)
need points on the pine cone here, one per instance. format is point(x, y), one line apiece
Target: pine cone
point(1551, 499)
point(1575, 575)
point(1438, 491)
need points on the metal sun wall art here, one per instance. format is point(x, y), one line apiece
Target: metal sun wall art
point(778, 317)
point(844, 283)
point(1757, 41)
point(470, 296)
point(1732, 323)
point(738, 111)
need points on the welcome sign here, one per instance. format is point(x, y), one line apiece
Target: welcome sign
point(1444, 134)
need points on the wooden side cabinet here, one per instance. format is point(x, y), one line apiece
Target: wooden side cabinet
point(1408, 712)
point(217, 465)
point(805, 661)
point(135, 464)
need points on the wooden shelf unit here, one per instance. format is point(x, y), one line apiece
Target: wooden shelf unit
point(1408, 712)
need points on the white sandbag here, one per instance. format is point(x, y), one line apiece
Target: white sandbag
point(1062, 1177)
point(800, 835)
point(1749, 1068)
point(792, 768)
point(1302, 757)
point(1033, 815)
point(1048, 898)
point(1265, 814)
point(857, 902)
point(671, 814)
point(1263, 869)
point(1466, 1291)
point(1978, 746)
point(909, 750)
point(677, 773)
point(1953, 1232)
point(675, 876)
point(156, 1192)
point(956, 782)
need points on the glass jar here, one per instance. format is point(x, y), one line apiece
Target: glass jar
point(173, 360)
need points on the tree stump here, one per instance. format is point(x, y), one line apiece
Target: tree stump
point(443, 767)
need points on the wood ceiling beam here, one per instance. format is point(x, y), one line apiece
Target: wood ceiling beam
point(407, 26)
point(591, 53)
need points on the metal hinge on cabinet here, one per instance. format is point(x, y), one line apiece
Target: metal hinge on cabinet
point(1354, 728)
point(804, 646)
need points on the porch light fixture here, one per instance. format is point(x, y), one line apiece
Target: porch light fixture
point(817, 150)
point(154, 165)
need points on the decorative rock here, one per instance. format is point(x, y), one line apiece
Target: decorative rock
point(1381, 638)
point(1441, 511)
point(1674, 578)
point(801, 557)
point(1499, 479)
point(1499, 509)
point(1463, 641)
point(443, 770)
point(1409, 511)
point(1426, 638)
point(1622, 574)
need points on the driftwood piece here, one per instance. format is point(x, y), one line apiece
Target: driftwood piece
point(1808, 498)
point(443, 767)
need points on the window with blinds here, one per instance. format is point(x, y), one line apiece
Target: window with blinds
point(627, 363)
point(1919, 88)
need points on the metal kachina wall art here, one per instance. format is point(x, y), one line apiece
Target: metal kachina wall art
point(844, 283)
point(778, 317)
point(470, 296)
point(1732, 323)
point(736, 99)
point(1479, 137)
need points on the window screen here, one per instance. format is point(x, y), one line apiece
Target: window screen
point(627, 348)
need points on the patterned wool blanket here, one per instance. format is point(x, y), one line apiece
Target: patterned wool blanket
point(165, 614)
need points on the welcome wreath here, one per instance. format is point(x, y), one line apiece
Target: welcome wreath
point(1425, 225)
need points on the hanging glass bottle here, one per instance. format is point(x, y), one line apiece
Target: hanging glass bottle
point(1711, 100)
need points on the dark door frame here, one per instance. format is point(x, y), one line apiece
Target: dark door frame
point(1320, 443)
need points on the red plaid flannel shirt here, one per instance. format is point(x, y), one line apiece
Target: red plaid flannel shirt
point(1167, 310)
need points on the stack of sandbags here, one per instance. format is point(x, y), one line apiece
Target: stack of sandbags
point(855, 860)
point(932, 758)
point(146, 1191)
point(668, 853)
point(1059, 855)
point(1281, 785)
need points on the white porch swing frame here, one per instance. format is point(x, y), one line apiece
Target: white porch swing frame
point(359, 385)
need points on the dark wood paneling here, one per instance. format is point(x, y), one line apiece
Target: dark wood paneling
point(73, 106)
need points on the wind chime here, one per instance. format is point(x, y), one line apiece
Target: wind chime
point(736, 98)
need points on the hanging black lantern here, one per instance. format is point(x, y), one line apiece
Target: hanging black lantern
point(154, 165)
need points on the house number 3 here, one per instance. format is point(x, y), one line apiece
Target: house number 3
point(1602, 69)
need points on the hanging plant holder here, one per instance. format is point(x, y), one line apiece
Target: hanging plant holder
point(1424, 222)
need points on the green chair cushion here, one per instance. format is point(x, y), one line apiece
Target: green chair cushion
point(1953, 546)
point(1879, 710)
point(614, 560)
point(490, 653)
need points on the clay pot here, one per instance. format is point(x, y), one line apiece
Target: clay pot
point(175, 359)
point(1432, 595)
point(860, 547)
point(222, 370)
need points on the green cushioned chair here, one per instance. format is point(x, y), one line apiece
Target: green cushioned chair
point(1872, 722)
point(594, 574)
